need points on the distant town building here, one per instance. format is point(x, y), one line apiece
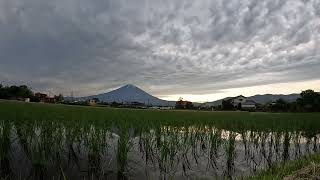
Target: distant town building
point(92, 102)
point(44, 98)
point(242, 102)
point(181, 104)
point(165, 108)
point(136, 104)
point(249, 104)
point(41, 96)
point(161, 107)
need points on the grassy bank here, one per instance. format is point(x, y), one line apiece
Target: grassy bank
point(306, 167)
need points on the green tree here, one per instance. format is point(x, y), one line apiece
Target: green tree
point(310, 100)
point(97, 100)
point(3, 92)
point(189, 105)
point(280, 105)
point(59, 98)
point(227, 105)
point(239, 106)
point(22, 91)
point(317, 103)
point(181, 104)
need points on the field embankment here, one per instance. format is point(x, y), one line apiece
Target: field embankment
point(303, 168)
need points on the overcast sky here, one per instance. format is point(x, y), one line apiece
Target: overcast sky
point(201, 50)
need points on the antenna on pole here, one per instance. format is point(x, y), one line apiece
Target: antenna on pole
point(72, 98)
point(50, 93)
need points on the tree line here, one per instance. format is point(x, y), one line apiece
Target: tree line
point(22, 92)
point(14, 92)
point(309, 101)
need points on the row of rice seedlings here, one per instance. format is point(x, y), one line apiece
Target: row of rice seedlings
point(215, 144)
point(43, 144)
point(231, 154)
point(47, 135)
point(168, 147)
point(260, 149)
point(96, 143)
point(123, 148)
point(172, 146)
point(266, 151)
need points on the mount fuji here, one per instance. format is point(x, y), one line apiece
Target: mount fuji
point(130, 93)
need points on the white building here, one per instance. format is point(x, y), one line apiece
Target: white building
point(243, 102)
point(166, 108)
point(92, 102)
point(161, 107)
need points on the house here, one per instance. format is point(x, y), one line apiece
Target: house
point(183, 104)
point(165, 108)
point(92, 102)
point(249, 104)
point(44, 98)
point(50, 100)
point(154, 107)
point(22, 99)
point(242, 102)
point(137, 104)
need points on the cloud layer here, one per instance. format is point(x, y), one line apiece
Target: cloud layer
point(166, 47)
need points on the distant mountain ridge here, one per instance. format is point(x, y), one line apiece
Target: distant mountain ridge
point(261, 99)
point(128, 94)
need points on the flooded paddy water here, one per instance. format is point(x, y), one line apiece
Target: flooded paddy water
point(53, 147)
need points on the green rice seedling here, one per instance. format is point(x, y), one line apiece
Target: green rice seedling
point(263, 152)
point(278, 138)
point(231, 154)
point(286, 145)
point(244, 138)
point(215, 143)
point(311, 137)
point(122, 151)
point(5, 143)
point(270, 145)
point(297, 141)
point(95, 142)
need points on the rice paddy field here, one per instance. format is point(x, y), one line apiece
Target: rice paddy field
point(46, 141)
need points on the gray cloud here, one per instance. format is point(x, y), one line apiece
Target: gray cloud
point(166, 47)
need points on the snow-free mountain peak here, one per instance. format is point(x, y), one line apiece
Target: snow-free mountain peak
point(129, 86)
point(127, 94)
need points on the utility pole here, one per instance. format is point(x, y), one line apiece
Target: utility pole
point(72, 96)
